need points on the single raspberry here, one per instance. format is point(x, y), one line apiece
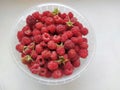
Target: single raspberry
point(33, 54)
point(36, 15)
point(74, 40)
point(42, 71)
point(57, 73)
point(20, 35)
point(64, 37)
point(80, 40)
point(30, 20)
point(43, 18)
point(46, 37)
point(75, 58)
point(56, 38)
point(75, 30)
point(58, 20)
point(39, 25)
point(49, 20)
point(60, 50)
point(44, 30)
point(31, 45)
point(51, 28)
point(76, 63)
point(52, 45)
point(85, 40)
point(66, 19)
point(74, 20)
point(53, 55)
point(72, 53)
point(38, 49)
point(26, 30)
point(60, 28)
point(77, 48)
point(70, 14)
point(84, 31)
point(43, 44)
point(26, 40)
point(20, 47)
point(34, 65)
point(37, 38)
point(46, 54)
point(35, 32)
point(52, 65)
point(48, 74)
point(69, 44)
point(79, 25)
point(27, 50)
point(69, 34)
point(40, 60)
point(35, 71)
point(84, 45)
point(63, 15)
point(83, 53)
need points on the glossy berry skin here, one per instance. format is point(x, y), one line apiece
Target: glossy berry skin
point(52, 65)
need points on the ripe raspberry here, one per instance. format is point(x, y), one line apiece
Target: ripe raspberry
point(49, 20)
point(48, 74)
point(63, 15)
point(39, 25)
point(46, 37)
point(36, 15)
point(33, 54)
point(40, 60)
point(42, 71)
point(52, 65)
point(52, 45)
point(57, 73)
point(83, 53)
point(76, 63)
point(85, 40)
point(35, 32)
point(31, 45)
point(26, 40)
point(84, 31)
point(43, 18)
point(77, 48)
point(20, 35)
point(45, 13)
point(43, 44)
point(79, 25)
point(20, 47)
point(68, 65)
point(46, 54)
point(74, 20)
point(58, 20)
point(84, 45)
point(26, 30)
point(69, 44)
point(37, 38)
point(69, 34)
point(60, 50)
point(74, 40)
point(56, 38)
point(70, 14)
point(44, 30)
point(53, 55)
point(34, 65)
point(60, 28)
point(51, 28)
point(75, 58)
point(38, 49)
point(80, 40)
point(64, 37)
point(72, 53)
point(27, 50)
point(75, 30)
point(30, 20)
point(35, 71)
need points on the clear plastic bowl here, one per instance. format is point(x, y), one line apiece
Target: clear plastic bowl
point(50, 81)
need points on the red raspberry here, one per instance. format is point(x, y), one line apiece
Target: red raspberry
point(52, 45)
point(26, 41)
point(72, 53)
point(26, 30)
point(69, 34)
point(70, 14)
point(83, 53)
point(66, 19)
point(52, 65)
point(77, 48)
point(65, 56)
point(75, 30)
point(20, 35)
point(84, 31)
point(51, 28)
point(58, 20)
point(48, 74)
point(79, 25)
point(46, 37)
point(38, 49)
point(84, 45)
point(35, 32)
point(35, 71)
point(42, 71)
point(44, 30)
point(37, 38)
point(69, 44)
point(56, 38)
point(39, 25)
point(33, 54)
point(27, 50)
point(36, 15)
point(60, 50)
point(53, 55)
point(46, 54)
point(60, 28)
point(74, 20)
point(43, 18)
point(64, 37)
point(63, 15)
point(49, 20)
point(76, 63)
point(80, 40)
point(74, 40)
point(85, 40)
point(34, 65)
point(68, 65)
point(45, 13)
point(31, 45)
point(75, 58)
point(40, 60)
point(57, 73)
point(30, 20)
point(43, 44)
point(20, 47)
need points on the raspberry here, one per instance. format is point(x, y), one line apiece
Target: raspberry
point(20, 35)
point(26, 59)
point(69, 44)
point(39, 25)
point(46, 54)
point(35, 71)
point(79, 25)
point(20, 47)
point(76, 32)
point(58, 20)
point(30, 20)
point(52, 65)
point(77, 48)
point(31, 45)
point(63, 15)
point(72, 53)
point(42, 71)
point(51, 28)
point(37, 38)
point(38, 49)
point(76, 63)
point(43, 44)
point(70, 14)
point(26, 30)
point(57, 73)
point(69, 34)
point(36, 15)
point(60, 28)
point(56, 38)
point(80, 40)
point(45, 13)
point(27, 50)
point(48, 74)
point(74, 20)
point(84, 45)
point(52, 45)
point(35, 32)
point(53, 55)
point(40, 60)
point(64, 37)
point(33, 54)
point(44, 30)
point(83, 53)
point(75, 58)
point(60, 50)
point(84, 31)
point(49, 20)
point(43, 18)
point(34, 65)
point(46, 37)
point(85, 40)
point(26, 41)
point(74, 40)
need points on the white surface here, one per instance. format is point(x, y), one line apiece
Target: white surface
point(103, 72)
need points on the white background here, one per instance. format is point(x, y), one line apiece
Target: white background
point(103, 73)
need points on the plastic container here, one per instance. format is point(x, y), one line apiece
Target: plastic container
point(50, 81)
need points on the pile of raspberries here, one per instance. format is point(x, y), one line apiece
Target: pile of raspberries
point(52, 43)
